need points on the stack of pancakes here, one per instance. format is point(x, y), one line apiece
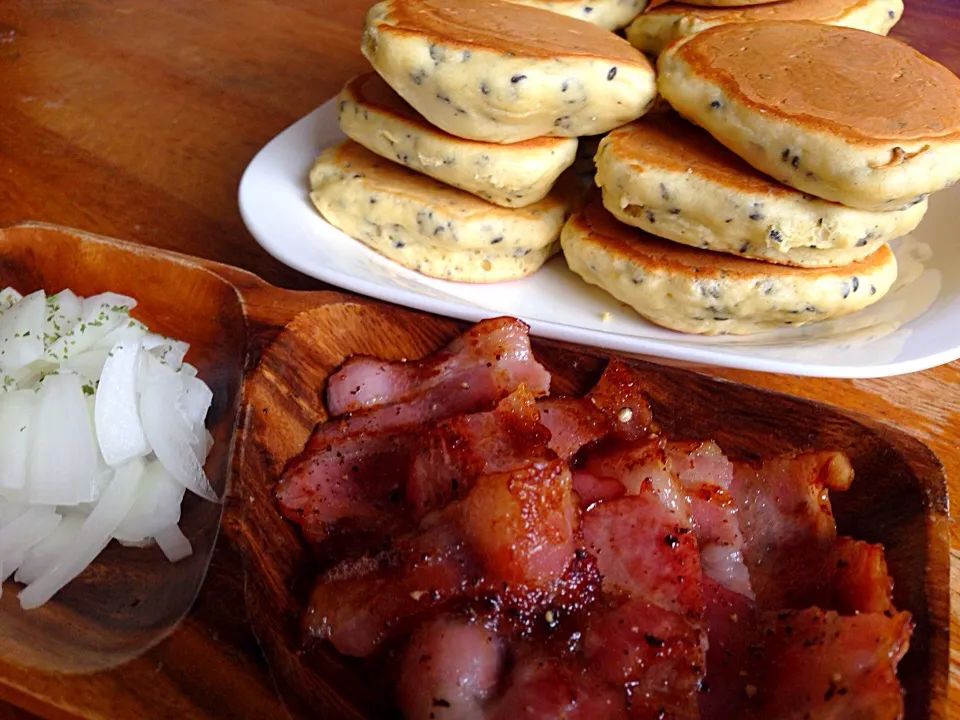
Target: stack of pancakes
point(792, 141)
point(816, 145)
point(460, 140)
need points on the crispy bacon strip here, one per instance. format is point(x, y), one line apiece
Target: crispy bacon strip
point(787, 523)
point(494, 352)
point(511, 537)
point(352, 472)
point(451, 454)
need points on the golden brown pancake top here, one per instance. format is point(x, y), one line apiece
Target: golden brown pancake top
point(817, 10)
point(372, 91)
point(508, 28)
point(669, 142)
point(354, 158)
point(864, 87)
point(647, 250)
point(727, 3)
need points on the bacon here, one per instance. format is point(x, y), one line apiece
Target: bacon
point(786, 520)
point(646, 552)
point(493, 352)
point(807, 663)
point(705, 476)
point(617, 395)
point(448, 670)
point(851, 579)
point(823, 665)
point(511, 538)
point(657, 654)
point(353, 469)
point(522, 524)
point(547, 688)
point(572, 422)
point(451, 454)
point(359, 603)
point(639, 466)
point(731, 631)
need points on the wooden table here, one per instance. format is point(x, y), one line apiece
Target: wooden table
point(135, 119)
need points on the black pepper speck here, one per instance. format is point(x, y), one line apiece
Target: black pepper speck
point(612, 74)
point(517, 78)
point(715, 104)
point(775, 235)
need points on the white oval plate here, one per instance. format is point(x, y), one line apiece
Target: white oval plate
point(916, 326)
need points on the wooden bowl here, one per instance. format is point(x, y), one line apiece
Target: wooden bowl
point(266, 352)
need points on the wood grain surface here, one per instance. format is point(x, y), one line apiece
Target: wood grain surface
point(135, 119)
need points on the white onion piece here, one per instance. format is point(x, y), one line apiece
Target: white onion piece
point(92, 538)
point(168, 433)
point(42, 556)
point(174, 543)
point(63, 313)
point(157, 505)
point(16, 417)
point(63, 449)
point(99, 315)
point(170, 352)
point(8, 567)
point(25, 532)
point(10, 512)
point(117, 419)
point(129, 332)
point(21, 332)
point(8, 297)
point(88, 364)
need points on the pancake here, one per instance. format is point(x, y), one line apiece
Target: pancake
point(499, 72)
point(697, 291)
point(429, 227)
point(609, 14)
point(730, 3)
point(372, 114)
point(843, 114)
point(653, 30)
point(670, 178)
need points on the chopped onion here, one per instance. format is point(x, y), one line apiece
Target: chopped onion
point(26, 531)
point(169, 434)
point(119, 432)
point(8, 298)
point(156, 507)
point(93, 537)
point(99, 315)
point(16, 418)
point(102, 430)
point(42, 556)
point(21, 332)
point(63, 313)
point(174, 543)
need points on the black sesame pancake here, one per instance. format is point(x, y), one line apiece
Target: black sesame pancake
point(500, 72)
point(731, 3)
point(654, 30)
point(430, 227)
point(609, 14)
point(372, 114)
point(843, 114)
point(672, 179)
point(698, 291)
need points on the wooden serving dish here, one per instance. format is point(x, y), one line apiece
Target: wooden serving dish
point(216, 635)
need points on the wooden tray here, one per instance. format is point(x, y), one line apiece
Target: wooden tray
point(216, 635)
